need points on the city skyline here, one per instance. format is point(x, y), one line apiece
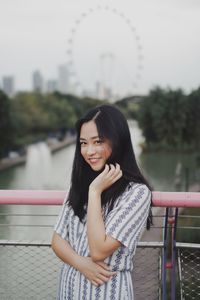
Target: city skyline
point(38, 36)
point(61, 83)
point(39, 83)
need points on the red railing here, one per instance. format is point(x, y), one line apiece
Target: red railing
point(50, 197)
point(160, 199)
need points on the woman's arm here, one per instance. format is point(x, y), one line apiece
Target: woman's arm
point(96, 273)
point(64, 251)
point(100, 244)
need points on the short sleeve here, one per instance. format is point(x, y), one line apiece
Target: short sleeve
point(61, 226)
point(128, 218)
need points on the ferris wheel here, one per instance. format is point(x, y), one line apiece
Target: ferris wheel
point(106, 62)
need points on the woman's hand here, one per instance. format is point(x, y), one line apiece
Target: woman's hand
point(98, 273)
point(100, 245)
point(105, 179)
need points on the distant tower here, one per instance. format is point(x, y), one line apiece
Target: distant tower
point(38, 82)
point(104, 87)
point(8, 86)
point(63, 79)
point(52, 86)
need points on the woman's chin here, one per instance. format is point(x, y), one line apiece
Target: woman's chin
point(97, 168)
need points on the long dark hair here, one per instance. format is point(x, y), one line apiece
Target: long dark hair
point(111, 125)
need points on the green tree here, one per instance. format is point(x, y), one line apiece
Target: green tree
point(168, 116)
point(61, 113)
point(30, 121)
point(6, 132)
point(163, 118)
point(35, 115)
point(146, 118)
point(191, 132)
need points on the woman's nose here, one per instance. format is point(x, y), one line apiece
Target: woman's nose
point(91, 149)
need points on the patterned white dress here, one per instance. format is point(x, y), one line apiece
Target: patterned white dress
point(124, 223)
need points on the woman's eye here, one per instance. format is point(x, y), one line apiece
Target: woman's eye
point(98, 142)
point(82, 143)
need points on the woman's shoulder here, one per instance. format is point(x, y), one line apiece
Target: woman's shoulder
point(135, 191)
point(134, 195)
point(135, 187)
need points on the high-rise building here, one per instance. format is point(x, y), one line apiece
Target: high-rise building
point(8, 86)
point(103, 92)
point(63, 79)
point(38, 82)
point(52, 86)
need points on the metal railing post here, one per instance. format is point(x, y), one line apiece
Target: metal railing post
point(173, 275)
point(164, 269)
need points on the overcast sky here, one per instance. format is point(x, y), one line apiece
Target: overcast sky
point(159, 46)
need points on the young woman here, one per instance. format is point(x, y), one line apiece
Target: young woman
point(103, 215)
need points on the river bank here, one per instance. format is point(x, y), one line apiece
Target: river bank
point(53, 144)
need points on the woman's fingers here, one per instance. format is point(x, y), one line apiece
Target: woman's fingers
point(106, 169)
point(111, 172)
point(105, 179)
point(108, 273)
point(104, 265)
point(101, 279)
point(98, 273)
point(118, 167)
point(105, 271)
point(95, 283)
point(118, 176)
point(115, 172)
point(101, 274)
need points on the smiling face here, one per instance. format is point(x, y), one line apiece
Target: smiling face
point(94, 149)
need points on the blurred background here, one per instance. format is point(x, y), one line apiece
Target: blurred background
point(59, 58)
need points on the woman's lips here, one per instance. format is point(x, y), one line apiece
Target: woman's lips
point(94, 160)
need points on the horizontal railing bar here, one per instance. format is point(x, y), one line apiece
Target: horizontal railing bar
point(31, 197)
point(150, 244)
point(47, 243)
point(189, 216)
point(188, 227)
point(24, 243)
point(26, 225)
point(50, 225)
point(47, 225)
point(49, 215)
point(27, 215)
point(188, 245)
point(176, 199)
point(55, 215)
point(50, 197)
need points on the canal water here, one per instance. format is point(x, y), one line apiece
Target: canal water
point(44, 170)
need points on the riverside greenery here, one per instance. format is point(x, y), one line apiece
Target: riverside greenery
point(30, 117)
point(169, 119)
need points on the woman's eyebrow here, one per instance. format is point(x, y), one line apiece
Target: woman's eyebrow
point(93, 138)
